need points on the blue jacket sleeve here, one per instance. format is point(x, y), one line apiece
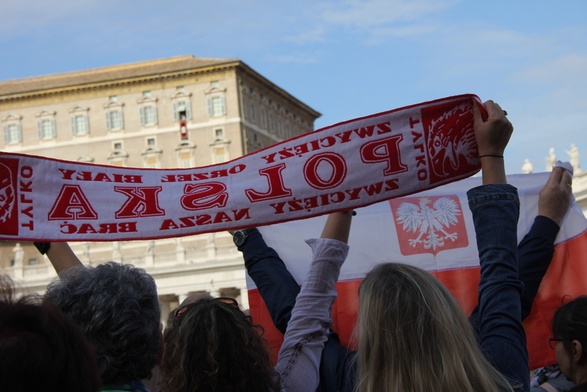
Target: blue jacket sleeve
point(495, 210)
point(275, 283)
point(534, 255)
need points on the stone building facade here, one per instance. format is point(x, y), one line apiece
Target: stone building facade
point(177, 112)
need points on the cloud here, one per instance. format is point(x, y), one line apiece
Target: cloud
point(18, 17)
point(293, 59)
point(569, 68)
point(380, 35)
point(371, 21)
point(364, 15)
point(309, 36)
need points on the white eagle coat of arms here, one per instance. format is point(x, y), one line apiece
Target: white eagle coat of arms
point(431, 223)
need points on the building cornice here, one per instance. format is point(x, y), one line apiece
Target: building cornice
point(111, 77)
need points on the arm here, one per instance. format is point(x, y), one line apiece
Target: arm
point(299, 357)
point(537, 247)
point(276, 285)
point(492, 137)
point(279, 291)
point(495, 209)
point(60, 255)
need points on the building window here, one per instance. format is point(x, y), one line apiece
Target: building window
point(219, 134)
point(185, 154)
point(12, 133)
point(148, 115)
point(152, 162)
point(117, 161)
point(216, 106)
point(85, 158)
point(151, 142)
point(271, 124)
point(118, 156)
point(220, 154)
point(46, 128)
point(32, 261)
point(80, 123)
point(182, 109)
point(113, 111)
point(253, 110)
point(148, 109)
point(185, 159)
point(114, 119)
point(216, 99)
point(263, 118)
point(152, 157)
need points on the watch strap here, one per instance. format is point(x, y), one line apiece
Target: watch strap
point(43, 247)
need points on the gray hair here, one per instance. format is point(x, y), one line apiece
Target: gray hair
point(117, 307)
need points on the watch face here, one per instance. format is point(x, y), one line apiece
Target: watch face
point(239, 237)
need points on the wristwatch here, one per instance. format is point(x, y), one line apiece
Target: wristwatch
point(240, 237)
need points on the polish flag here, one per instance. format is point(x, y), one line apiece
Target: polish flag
point(392, 231)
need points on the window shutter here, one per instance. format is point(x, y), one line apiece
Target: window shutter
point(87, 123)
point(222, 106)
point(121, 115)
point(6, 136)
point(155, 114)
point(74, 129)
point(108, 123)
point(210, 107)
point(53, 128)
point(175, 111)
point(142, 114)
point(19, 133)
point(40, 129)
point(188, 109)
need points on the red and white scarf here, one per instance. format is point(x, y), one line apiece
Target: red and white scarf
point(343, 166)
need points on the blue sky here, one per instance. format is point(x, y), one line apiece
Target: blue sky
point(345, 58)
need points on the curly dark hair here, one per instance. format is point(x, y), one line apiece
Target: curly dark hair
point(214, 346)
point(117, 308)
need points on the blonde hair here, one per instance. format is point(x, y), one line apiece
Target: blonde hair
point(413, 336)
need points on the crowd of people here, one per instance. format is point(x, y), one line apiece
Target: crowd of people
point(99, 328)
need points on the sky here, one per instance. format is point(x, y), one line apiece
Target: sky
point(344, 58)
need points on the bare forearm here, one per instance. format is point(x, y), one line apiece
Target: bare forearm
point(493, 170)
point(338, 226)
point(62, 257)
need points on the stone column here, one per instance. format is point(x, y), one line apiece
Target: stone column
point(116, 252)
point(179, 251)
point(18, 261)
point(244, 294)
point(211, 245)
point(150, 253)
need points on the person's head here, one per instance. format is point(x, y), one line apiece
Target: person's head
point(569, 327)
point(210, 345)
point(117, 308)
point(40, 348)
point(413, 336)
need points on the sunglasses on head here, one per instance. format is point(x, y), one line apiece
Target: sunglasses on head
point(227, 300)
